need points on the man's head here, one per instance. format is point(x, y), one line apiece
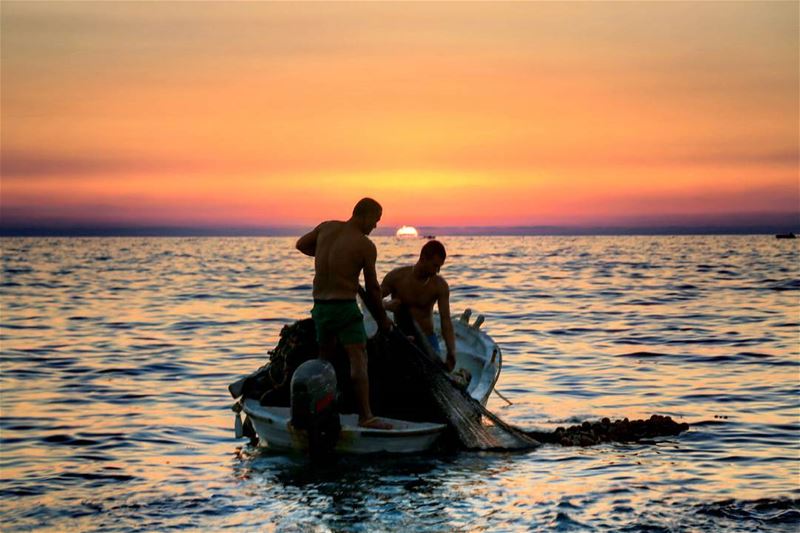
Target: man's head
point(367, 213)
point(431, 258)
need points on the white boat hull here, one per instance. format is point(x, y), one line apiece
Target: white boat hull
point(275, 431)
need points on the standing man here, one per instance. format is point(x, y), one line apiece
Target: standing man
point(341, 250)
point(415, 289)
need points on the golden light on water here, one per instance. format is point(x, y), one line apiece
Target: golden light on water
point(407, 231)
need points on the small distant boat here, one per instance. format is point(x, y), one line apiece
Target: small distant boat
point(789, 235)
point(430, 237)
point(477, 353)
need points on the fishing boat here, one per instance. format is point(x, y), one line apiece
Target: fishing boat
point(479, 357)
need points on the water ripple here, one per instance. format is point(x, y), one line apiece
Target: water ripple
point(116, 354)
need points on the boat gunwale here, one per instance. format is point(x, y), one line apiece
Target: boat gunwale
point(487, 361)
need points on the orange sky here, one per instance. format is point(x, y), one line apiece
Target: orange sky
point(264, 114)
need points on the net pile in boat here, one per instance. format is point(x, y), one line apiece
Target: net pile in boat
point(464, 414)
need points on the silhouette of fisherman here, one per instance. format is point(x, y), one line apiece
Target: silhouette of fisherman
point(341, 250)
point(414, 290)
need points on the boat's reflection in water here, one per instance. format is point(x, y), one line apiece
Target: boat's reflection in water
point(377, 491)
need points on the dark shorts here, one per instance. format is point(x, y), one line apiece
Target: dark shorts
point(341, 319)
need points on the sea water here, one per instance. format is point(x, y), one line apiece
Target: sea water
point(116, 354)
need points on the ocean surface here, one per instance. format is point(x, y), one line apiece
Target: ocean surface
point(116, 354)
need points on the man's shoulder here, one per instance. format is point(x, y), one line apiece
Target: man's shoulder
point(441, 283)
point(367, 242)
point(403, 270)
point(362, 246)
point(400, 272)
point(330, 224)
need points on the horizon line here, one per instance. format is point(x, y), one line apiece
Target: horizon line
point(79, 230)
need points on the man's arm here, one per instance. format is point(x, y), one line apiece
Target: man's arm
point(387, 284)
point(373, 290)
point(387, 288)
point(447, 325)
point(308, 242)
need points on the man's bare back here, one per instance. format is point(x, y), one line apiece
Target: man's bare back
point(341, 254)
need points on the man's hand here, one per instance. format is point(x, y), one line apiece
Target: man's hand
point(392, 305)
point(450, 361)
point(385, 325)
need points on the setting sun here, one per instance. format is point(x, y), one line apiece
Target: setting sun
point(407, 231)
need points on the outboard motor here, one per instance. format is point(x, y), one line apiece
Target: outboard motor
point(313, 405)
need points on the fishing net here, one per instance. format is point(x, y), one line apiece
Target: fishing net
point(463, 414)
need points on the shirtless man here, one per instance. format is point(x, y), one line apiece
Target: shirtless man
point(417, 288)
point(341, 250)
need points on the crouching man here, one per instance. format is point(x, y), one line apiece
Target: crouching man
point(414, 290)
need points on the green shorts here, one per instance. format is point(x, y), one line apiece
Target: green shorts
point(341, 319)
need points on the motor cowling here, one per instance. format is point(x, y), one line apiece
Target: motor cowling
point(313, 405)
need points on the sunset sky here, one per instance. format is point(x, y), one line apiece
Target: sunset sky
point(467, 114)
